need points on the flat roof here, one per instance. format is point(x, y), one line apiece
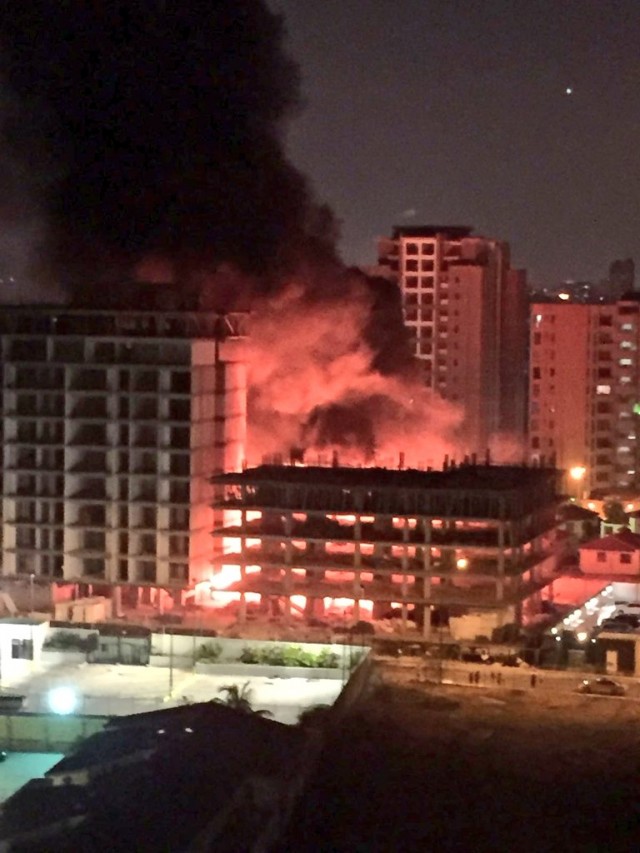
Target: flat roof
point(485, 478)
point(453, 231)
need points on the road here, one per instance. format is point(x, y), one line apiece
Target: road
point(108, 689)
point(408, 670)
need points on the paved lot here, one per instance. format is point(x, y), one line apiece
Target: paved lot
point(408, 670)
point(105, 689)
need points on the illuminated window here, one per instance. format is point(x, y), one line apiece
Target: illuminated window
point(627, 327)
point(603, 389)
point(625, 380)
point(625, 362)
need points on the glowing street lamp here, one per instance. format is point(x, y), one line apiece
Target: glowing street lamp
point(62, 700)
point(577, 474)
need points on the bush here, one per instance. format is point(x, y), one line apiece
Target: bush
point(248, 655)
point(209, 652)
point(289, 656)
point(328, 660)
point(66, 641)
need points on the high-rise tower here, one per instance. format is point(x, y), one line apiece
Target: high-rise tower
point(466, 311)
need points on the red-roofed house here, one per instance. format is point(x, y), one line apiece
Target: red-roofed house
point(612, 557)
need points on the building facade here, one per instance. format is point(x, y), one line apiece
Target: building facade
point(466, 311)
point(584, 393)
point(466, 544)
point(113, 422)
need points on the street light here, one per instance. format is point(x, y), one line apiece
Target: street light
point(62, 700)
point(577, 474)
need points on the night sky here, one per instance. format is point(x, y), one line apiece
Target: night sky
point(456, 111)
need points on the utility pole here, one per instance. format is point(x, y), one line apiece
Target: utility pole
point(170, 664)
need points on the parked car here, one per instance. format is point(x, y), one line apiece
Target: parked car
point(615, 626)
point(602, 687)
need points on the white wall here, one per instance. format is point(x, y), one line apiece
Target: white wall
point(611, 564)
point(20, 629)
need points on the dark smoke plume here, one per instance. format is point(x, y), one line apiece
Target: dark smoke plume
point(144, 138)
point(153, 133)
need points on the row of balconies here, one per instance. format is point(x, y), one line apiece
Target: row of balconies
point(479, 595)
point(317, 527)
point(447, 564)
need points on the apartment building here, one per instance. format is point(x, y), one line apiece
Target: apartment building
point(466, 311)
point(465, 546)
point(584, 394)
point(113, 422)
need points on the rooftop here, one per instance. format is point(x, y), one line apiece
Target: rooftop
point(623, 540)
point(454, 232)
point(482, 478)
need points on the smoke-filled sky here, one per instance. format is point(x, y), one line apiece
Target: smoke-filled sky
point(145, 140)
point(458, 111)
point(150, 131)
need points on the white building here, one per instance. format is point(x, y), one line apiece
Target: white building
point(21, 642)
point(113, 422)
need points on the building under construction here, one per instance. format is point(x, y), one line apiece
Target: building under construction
point(464, 546)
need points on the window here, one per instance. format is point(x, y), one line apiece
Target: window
point(603, 389)
point(411, 249)
point(537, 338)
point(625, 558)
point(411, 266)
point(601, 557)
point(22, 649)
point(625, 362)
point(536, 373)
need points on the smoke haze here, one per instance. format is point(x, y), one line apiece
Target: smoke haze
point(145, 142)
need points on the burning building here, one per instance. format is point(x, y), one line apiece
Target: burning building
point(467, 544)
point(113, 422)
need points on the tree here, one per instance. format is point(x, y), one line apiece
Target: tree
point(614, 513)
point(240, 698)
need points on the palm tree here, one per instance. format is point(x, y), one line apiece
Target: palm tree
point(240, 699)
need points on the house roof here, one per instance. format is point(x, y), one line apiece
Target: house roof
point(186, 765)
point(623, 540)
point(573, 512)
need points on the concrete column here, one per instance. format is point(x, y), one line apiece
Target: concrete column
point(405, 541)
point(426, 579)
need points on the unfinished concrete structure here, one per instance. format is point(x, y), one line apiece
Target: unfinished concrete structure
point(466, 543)
point(113, 422)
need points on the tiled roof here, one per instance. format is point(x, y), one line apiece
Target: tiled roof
point(624, 540)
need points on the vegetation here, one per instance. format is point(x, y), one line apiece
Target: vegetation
point(289, 656)
point(614, 513)
point(240, 698)
point(66, 641)
point(209, 652)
